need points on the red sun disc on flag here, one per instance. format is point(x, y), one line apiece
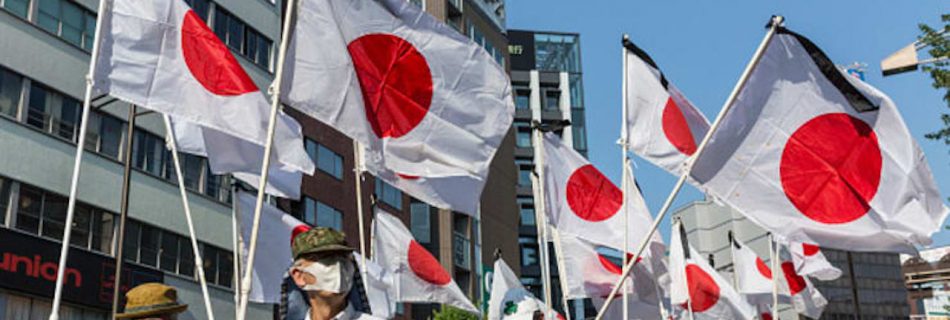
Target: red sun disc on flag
point(831, 168)
point(210, 61)
point(676, 128)
point(703, 290)
point(766, 316)
point(763, 269)
point(591, 195)
point(810, 249)
point(425, 266)
point(796, 283)
point(395, 81)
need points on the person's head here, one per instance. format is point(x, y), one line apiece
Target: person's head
point(152, 301)
point(323, 264)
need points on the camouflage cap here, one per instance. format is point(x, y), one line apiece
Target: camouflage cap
point(319, 240)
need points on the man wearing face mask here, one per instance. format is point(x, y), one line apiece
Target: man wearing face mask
point(324, 269)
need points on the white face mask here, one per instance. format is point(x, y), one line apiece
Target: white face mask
point(334, 275)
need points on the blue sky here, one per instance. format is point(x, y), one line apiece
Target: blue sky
point(702, 47)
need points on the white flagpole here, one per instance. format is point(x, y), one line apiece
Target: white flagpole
point(358, 173)
point(265, 167)
point(540, 216)
point(238, 246)
point(199, 266)
point(561, 276)
point(77, 164)
point(677, 227)
point(776, 21)
point(773, 255)
point(623, 184)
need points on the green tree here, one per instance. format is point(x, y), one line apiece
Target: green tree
point(453, 313)
point(939, 46)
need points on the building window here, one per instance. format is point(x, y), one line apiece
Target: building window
point(529, 255)
point(20, 8)
point(148, 245)
point(552, 100)
point(388, 194)
point(523, 98)
point(168, 252)
point(327, 160)
point(526, 210)
point(525, 170)
point(320, 214)
point(192, 166)
point(419, 3)
point(420, 221)
point(523, 134)
point(242, 39)
point(148, 152)
point(104, 135)
point(53, 112)
point(218, 265)
point(4, 200)
point(44, 214)
point(11, 85)
point(67, 20)
point(200, 7)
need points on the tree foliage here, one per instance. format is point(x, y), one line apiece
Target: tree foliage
point(453, 313)
point(939, 46)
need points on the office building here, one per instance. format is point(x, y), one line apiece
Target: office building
point(876, 283)
point(547, 81)
point(928, 283)
point(44, 54)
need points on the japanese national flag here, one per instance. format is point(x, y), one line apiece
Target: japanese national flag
point(754, 276)
point(696, 286)
point(810, 261)
point(806, 299)
point(419, 277)
point(230, 155)
point(394, 78)
point(581, 200)
point(663, 127)
point(457, 193)
point(160, 55)
point(593, 270)
point(816, 156)
point(277, 231)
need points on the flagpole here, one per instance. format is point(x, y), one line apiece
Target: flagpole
point(775, 22)
point(237, 245)
point(689, 298)
point(358, 173)
point(623, 184)
point(540, 216)
point(199, 265)
point(265, 166)
point(123, 211)
point(77, 164)
point(561, 276)
point(773, 255)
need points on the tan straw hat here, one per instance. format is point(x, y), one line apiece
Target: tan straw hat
point(151, 299)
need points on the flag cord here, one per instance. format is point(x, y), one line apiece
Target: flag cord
point(123, 211)
point(77, 164)
point(199, 265)
point(776, 21)
point(358, 173)
point(265, 166)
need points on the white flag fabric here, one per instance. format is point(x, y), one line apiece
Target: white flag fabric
point(277, 230)
point(457, 193)
point(229, 154)
point(419, 277)
point(663, 127)
point(591, 273)
point(394, 78)
point(509, 299)
point(378, 284)
point(805, 297)
point(160, 55)
point(582, 201)
point(810, 261)
point(754, 276)
point(696, 285)
point(816, 156)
